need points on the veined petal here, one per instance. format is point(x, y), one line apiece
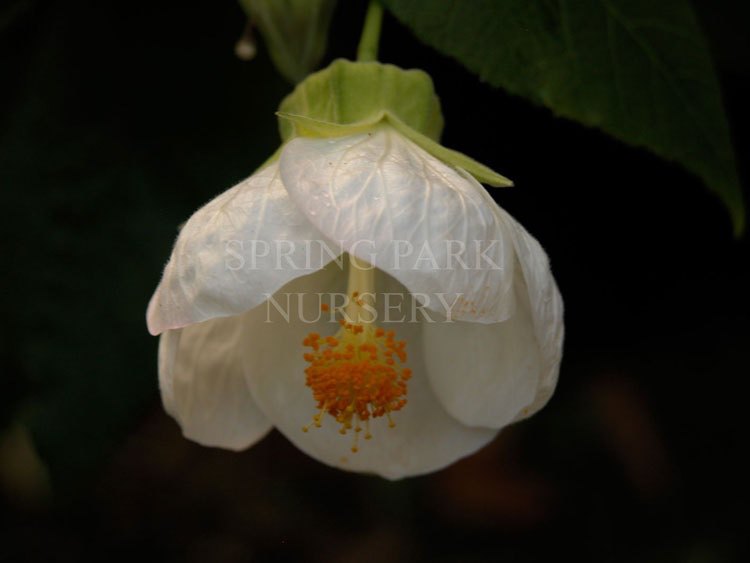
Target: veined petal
point(203, 385)
point(546, 307)
point(394, 205)
point(425, 437)
point(236, 251)
point(493, 374)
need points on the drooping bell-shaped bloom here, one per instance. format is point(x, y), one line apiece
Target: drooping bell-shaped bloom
point(362, 283)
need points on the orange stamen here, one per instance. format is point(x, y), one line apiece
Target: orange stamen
point(354, 376)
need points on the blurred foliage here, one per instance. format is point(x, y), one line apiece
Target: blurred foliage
point(639, 70)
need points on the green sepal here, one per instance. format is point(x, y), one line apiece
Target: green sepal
point(308, 127)
point(482, 173)
point(348, 98)
point(349, 93)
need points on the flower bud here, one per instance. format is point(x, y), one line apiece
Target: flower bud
point(295, 32)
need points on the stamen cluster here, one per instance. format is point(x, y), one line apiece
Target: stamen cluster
point(357, 375)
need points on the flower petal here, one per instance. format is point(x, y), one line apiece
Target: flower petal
point(484, 374)
point(203, 386)
point(547, 310)
point(234, 252)
point(394, 205)
point(425, 438)
point(491, 375)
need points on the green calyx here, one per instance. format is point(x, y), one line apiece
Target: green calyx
point(358, 95)
point(350, 97)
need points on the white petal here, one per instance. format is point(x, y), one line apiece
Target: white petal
point(203, 386)
point(425, 438)
point(546, 307)
point(394, 205)
point(234, 252)
point(484, 374)
point(491, 375)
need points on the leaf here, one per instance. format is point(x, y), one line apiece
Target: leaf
point(637, 69)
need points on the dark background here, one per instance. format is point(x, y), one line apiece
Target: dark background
point(118, 120)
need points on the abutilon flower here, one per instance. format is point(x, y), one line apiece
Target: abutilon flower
point(263, 325)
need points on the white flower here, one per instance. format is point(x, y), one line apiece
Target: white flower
point(227, 375)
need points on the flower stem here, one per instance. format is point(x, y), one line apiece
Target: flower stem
point(368, 43)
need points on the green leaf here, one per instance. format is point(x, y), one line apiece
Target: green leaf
point(640, 70)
